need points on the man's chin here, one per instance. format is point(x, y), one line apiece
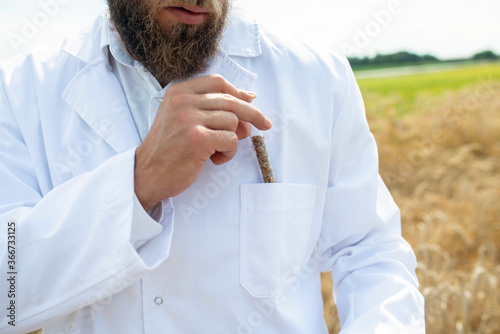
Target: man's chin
point(168, 48)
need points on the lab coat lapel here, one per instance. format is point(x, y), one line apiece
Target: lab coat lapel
point(96, 96)
point(238, 76)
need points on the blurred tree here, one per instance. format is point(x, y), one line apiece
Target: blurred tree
point(402, 57)
point(485, 55)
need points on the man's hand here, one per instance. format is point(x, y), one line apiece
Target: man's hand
point(197, 119)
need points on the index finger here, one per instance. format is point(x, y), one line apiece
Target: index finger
point(242, 109)
point(215, 83)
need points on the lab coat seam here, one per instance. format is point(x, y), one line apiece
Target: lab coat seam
point(9, 107)
point(42, 147)
point(335, 123)
point(322, 243)
point(146, 307)
point(257, 40)
point(242, 239)
point(342, 104)
point(296, 207)
point(352, 315)
point(18, 127)
point(5, 95)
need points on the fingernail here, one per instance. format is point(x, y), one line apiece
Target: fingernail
point(268, 122)
point(253, 95)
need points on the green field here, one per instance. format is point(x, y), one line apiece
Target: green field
point(401, 93)
point(439, 154)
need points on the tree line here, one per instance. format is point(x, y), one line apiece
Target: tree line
point(404, 57)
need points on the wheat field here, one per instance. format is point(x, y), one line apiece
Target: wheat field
point(441, 161)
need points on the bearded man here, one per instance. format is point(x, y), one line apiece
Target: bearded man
point(135, 203)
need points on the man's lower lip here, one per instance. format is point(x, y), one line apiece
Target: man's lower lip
point(187, 17)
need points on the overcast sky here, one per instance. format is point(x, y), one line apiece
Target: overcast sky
point(445, 28)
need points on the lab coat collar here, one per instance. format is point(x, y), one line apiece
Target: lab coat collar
point(83, 45)
point(241, 38)
point(112, 46)
point(242, 35)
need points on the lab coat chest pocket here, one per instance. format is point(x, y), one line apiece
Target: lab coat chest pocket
point(275, 222)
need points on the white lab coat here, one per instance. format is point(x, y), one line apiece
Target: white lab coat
point(230, 255)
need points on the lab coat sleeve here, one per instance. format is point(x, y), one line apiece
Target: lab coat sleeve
point(82, 242)
point(373, 267)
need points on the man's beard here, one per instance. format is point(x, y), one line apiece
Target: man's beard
point(169, 53)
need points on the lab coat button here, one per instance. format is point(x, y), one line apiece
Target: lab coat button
point(158, 300)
